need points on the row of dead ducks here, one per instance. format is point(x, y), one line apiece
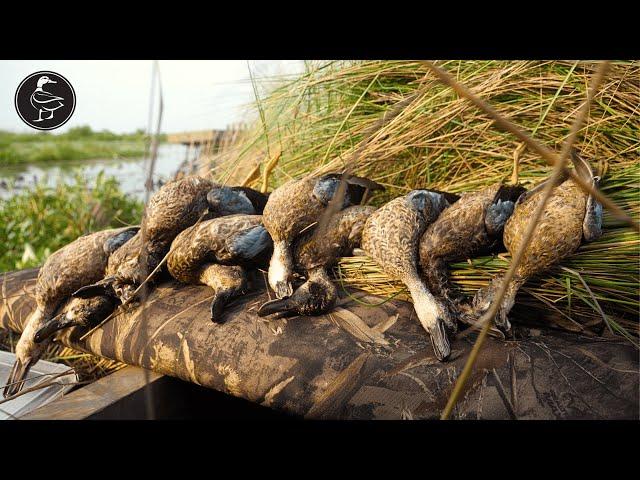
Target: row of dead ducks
point(215, 235)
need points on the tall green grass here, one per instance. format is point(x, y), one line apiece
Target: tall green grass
point(36, 222)
point(79, 143)
point(321, 119)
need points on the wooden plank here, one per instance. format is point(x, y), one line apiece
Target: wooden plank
point(95, 397)
point(196, 137)
point(365, 368)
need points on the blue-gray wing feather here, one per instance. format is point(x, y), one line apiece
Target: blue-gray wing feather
point(251, 243)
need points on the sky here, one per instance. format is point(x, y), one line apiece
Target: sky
point(114, 94)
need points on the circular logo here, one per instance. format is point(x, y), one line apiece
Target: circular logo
point(45, 100)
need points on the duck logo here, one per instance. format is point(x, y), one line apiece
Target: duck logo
point(45, 100)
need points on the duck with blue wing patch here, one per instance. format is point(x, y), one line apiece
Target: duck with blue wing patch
point(570, 216)
point(217, 253)
point(66, 270)
point(391, 236)
point(295, 207)
point(471, 226)
point(176, 206)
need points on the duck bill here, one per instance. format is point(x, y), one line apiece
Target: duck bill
point(16, 379)
point(57, 323)
point(282, 305)
point(485, 297)
point(433, 317)
point(217, 307)
point(440, 340)
point(103, 287)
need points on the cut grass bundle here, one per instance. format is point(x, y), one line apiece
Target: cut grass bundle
point(441, 141)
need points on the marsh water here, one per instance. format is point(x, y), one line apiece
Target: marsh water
point(130, 172)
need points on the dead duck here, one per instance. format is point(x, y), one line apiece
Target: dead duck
point(570, 216)
point(296, 206)
point(471, 226)
point(391, 236)
point(69, 268)
point(216, 252)
point(313, 256)
point(176, 206)
point(89, 311)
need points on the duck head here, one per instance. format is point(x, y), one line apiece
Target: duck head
point(228, 201)
point(484, 297)
point(80, 312)
point(43, 80)
point(435, 319)
point(27, 354)
point(315, 297)
point(433, 314)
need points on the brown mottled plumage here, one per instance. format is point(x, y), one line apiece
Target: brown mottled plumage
point(214, 253)
point(80, 262)
point(296, 206)
point(471, 226)
point(314, 255)
point(391, 236)
point(176, 206)
point(569, 215)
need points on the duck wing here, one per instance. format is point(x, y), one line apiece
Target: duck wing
point(250, 244)
point(592, 223)
point(501, 208)
point(44, 97)
point(257, 199)
point(119, 239)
